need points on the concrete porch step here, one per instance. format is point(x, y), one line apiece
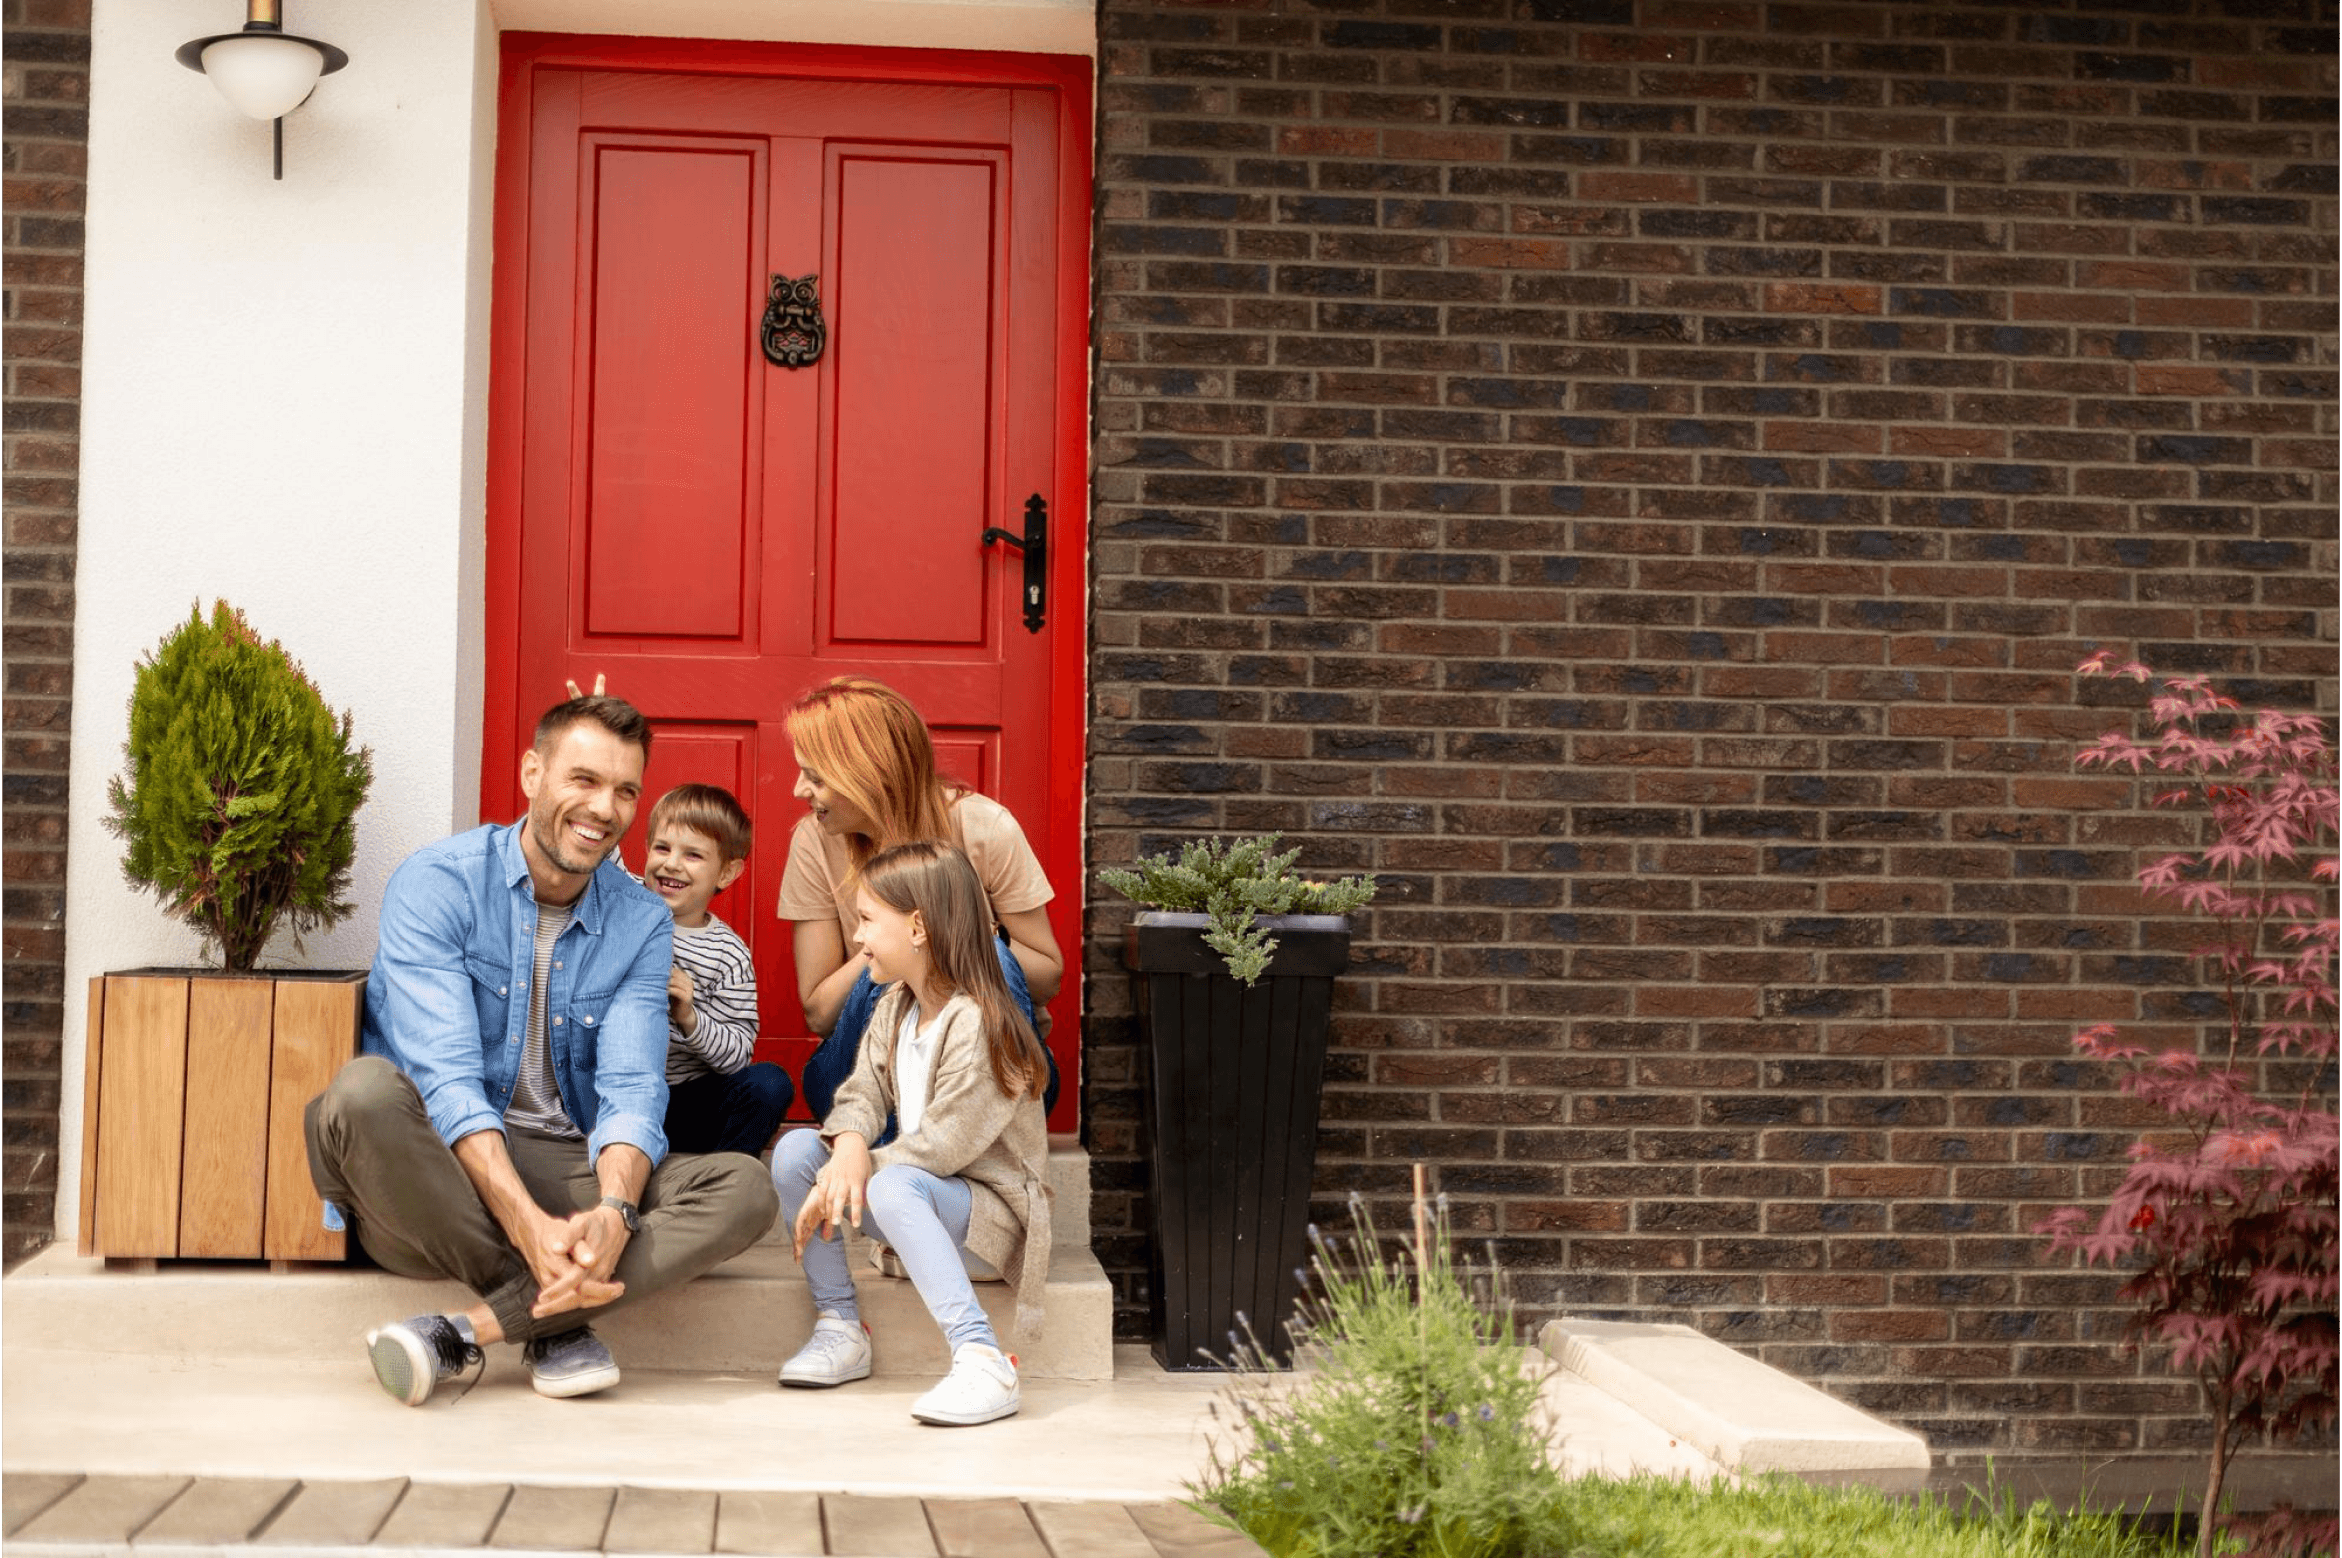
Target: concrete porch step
point(1745, 1415)
point(744, 1317)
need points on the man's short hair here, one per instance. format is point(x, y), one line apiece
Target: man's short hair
point(707, 809)
point(615, 715)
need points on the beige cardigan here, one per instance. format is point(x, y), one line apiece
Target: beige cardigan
point(999, 1145)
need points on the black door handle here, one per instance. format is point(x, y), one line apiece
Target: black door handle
point(1034, 543)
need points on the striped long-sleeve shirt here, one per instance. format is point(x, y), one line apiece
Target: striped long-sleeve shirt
point(723, 981)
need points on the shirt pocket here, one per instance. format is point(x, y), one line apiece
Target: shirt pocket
point(589, 1005)
point(492, 996)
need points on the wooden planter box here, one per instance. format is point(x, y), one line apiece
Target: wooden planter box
point(1233, 1078)
point(194, 1082)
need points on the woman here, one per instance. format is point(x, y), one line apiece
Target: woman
point(866, 772)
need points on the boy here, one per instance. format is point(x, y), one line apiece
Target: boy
point(716, 1100)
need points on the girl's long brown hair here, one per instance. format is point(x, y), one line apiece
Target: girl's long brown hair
point(871, 747)
point(936, 880)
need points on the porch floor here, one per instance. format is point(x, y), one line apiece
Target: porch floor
point(1096, 1463)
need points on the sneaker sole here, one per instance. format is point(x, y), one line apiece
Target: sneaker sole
point(966, 1419)
point(826, 1382)
point(583, 1383)
point(402, 1371)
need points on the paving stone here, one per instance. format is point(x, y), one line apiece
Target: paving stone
point(333, 1514)
point(1091, 1531)
point(444, 1514)
point(1179, 1532)
point(661, 1520)
point(984, 1528)
point(555, 1520)
point(24, 1494)
point(861, 1526)
point(770, 1525)
point(102, 1509)
point(217, 1511)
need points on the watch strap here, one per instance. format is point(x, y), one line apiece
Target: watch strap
point(628, 1213)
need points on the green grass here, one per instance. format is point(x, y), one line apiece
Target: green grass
point(1782, 1517)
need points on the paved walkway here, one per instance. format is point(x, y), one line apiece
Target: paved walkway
point(68, 1514)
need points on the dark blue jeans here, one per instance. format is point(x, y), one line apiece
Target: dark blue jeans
point(829, 1066)
point(738, 1113)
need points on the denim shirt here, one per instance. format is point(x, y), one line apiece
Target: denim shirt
point(448, 1000)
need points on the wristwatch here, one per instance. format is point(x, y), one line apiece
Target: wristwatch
point(626, 1212)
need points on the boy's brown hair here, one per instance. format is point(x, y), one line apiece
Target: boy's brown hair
point(707, 809)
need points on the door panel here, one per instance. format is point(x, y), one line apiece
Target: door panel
point(714, 533)
point(669, 529)
point(914, 403)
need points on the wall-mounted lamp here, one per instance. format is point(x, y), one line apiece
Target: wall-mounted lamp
point(264, 71)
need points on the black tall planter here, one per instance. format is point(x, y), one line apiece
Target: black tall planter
point(1232, 1102)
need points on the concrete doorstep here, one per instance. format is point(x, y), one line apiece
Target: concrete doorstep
point(1744, 1415)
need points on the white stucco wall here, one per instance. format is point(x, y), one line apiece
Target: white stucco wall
point(284, 394)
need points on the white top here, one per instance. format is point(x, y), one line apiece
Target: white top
point(914, 1067)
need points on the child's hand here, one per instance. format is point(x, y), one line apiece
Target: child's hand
point(576, 691)
point(839, 1191)
point(679, 994)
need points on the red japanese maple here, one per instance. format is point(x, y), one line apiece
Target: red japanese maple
point(2228, 1220)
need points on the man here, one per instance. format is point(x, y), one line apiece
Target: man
point(503, 1125)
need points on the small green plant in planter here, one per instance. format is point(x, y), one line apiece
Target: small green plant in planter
point(238, 810)
point(1233, 883)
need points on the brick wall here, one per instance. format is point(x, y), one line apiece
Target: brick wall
point(46, 98)
point(1636, 475)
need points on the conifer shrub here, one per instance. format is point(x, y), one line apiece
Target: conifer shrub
point(2227, 1218)
point(1233, 883)
point(238, 808)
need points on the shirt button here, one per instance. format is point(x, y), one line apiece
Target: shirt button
point(589, 1022)
point(501, 990)
point(556, 1022)
point(515, 1039)
point(557, 964)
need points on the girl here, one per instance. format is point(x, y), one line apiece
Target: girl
point(952, 1056)
point(866, 772)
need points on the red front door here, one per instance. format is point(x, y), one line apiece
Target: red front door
point(714, 532)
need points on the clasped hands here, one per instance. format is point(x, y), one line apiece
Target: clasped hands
point(574, 1260)
point(840, 1191)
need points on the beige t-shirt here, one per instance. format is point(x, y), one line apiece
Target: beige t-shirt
point(814, 883)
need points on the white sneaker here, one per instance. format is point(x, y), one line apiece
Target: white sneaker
point(837, 1353)
point(980, 1387)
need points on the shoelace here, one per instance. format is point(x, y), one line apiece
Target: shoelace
point(457, 1354)
point(835, 1344)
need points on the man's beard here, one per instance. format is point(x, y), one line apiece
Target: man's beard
point(547, 827)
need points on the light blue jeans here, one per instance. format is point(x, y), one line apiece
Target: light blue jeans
point(923, 1216)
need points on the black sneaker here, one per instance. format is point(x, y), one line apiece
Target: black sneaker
point(412, 1357)
point(574, 1363)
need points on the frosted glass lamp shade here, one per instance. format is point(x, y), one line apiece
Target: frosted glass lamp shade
point(263, 75)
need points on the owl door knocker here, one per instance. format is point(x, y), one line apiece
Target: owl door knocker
point(793, 333)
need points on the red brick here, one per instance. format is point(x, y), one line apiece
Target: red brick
point(1674, 188)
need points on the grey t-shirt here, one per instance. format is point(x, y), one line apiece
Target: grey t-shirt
point(536, 1099)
